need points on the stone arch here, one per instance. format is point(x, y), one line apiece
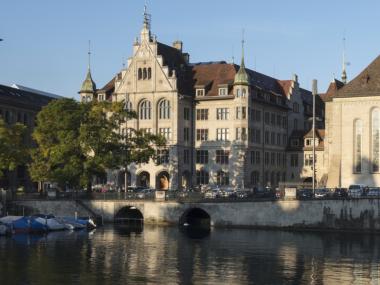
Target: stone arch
point(143, 179)
point(129, 215)
point(162, 180)
point(195, 217)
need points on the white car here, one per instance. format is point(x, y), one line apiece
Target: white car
point(356, 190)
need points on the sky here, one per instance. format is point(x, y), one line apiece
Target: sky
point(45, 42)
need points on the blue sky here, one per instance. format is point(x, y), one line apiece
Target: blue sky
point(45, 41)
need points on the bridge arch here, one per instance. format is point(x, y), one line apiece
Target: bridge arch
point(195, 217)
point(129, 215)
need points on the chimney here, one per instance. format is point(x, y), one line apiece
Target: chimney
point(178, 45)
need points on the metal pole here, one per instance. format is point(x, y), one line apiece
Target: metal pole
point(126, 150)
point(314, 92)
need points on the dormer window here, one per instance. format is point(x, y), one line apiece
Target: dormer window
point(223, 91)
point(200, 92)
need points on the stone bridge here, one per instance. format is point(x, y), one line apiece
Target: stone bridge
point(348, 214)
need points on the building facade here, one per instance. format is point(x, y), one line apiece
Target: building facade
point(225, 124)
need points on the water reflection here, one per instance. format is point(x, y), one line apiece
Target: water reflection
point(162, 255)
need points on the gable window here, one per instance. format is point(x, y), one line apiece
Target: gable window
point(149, 73)
point(358, 133)
point(164, 109)
point(223, 91)
point(145, 110)
point(200, 92)
point(145, 74)
point(139, 74)
point(375, 152)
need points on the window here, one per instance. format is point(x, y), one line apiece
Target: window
point(101, 97)
point(165, 132)
point(202, 177)
point(240, 113)
point(202, 156)
point(164, 109)
point(309, 159)
point(273, 119)
point(307, 142)
point(186, 134)
point(358, 132)
point(295, 124)
point(186, 114)
point(222, 156)
point(266, 139)
point(222, 113)
point(266, 158)
point(284, 122)
point(145, 110)
point(267, 118)
point(223, 91)
point(200, 92)
point(258, 116)
point(145, 75)
point(238, 92)
point(257, 137)
point(139, 74)
point(202, 134)
point(149, 73)
point(278, 139)
point(296, 107)
point(272, 158)
point(255, 157)
point(375, 140)
point(128, 106)
point(146, 130)
point(258, 157)
point(186, 156)
point(279, 121)
point(284, 139)
point(241, 134)
point(162, 156)
point(243, 93)
point(255, 178)
point(294, 160)
point(222, 178)
point(222, 134)
point(272, 138)
point(202, 114)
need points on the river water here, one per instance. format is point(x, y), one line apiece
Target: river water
point(168, 255)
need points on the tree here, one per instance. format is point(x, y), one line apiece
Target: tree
point(77, 141)
point(13, 149)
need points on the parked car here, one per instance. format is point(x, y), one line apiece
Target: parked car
point(321, 193)
point(304, 194)
point(228, 193)
point(212, 194)
point(356, 190)
point(261, 192)
point(340, 193)
point(373, 192)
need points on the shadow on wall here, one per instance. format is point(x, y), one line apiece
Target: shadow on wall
point(364, 173)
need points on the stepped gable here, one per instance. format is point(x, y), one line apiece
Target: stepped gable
point(367, 83)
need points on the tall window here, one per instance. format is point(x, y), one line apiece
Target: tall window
point(128, 106)
point(222, 113)
point(222, 178)
point(375, 139)
point(202, 156)
point(240, 113)
point(255, 178)
point(202, 114)
point(145, 110)
point(186, 114)
point(139, 76)
point(358, 133)
point(164, 109)
point(186, 134)
point(222, 156)
point(241, 134)
point(202, 134)
point(222, 134)
point(202, 177)
point(165, 132)
point(149, 73)
point(162, 156)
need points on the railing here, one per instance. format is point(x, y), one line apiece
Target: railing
point(179, 196)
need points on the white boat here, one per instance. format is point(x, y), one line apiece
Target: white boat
point(51, 223)
point(9, 219)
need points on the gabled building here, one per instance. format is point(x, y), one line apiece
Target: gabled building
point(225, 124)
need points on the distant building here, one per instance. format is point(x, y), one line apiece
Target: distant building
point(225, 124)
point(20, 105)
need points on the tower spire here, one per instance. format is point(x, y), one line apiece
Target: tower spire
point(242, 49)
point(145, 32)
point(344, 63)
point(89, 54)
point(242, 77)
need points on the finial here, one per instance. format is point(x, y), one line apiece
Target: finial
point(146, 17)
point(89, 54)
point(344, 63)
point(242, 48)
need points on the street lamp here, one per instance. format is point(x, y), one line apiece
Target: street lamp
point(314, 92)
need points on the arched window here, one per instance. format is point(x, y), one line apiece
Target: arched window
point(164, 109)
point(145, 110)
point(375, 153)
point(255, 178)
point(358, 134)
point(128, 106)
point(144, 74)
point(202, 177)
point(149, 73)
point(237, 92)
point(139, 74)
point(222, 178)
point(243, 93)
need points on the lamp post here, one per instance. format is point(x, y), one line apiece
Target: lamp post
point(126, 148)
point(314, 93)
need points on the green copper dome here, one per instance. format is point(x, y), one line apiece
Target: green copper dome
point(241, 77)
point(88, 84)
